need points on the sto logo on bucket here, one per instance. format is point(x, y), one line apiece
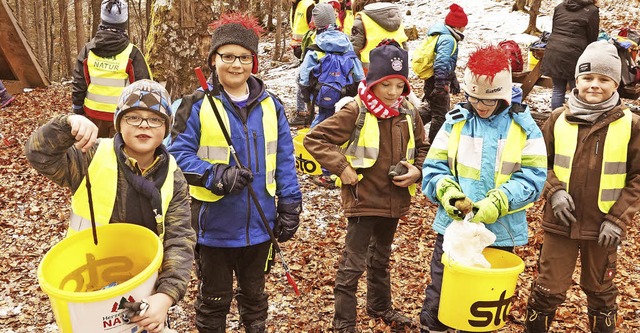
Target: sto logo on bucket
point(496, 311)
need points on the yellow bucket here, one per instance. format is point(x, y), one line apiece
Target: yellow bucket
point(479, 299)
point(75, 272)
point(532, 60)
point(305, 163)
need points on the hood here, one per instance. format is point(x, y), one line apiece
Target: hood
point(439, 29)
point(575, 5)
point(387, 15)
point(333, 41)
point(108, 43)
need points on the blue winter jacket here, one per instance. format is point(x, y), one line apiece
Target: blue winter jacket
point(481, 140)
point(331, 40)
point(233, 221)
point(444, 65)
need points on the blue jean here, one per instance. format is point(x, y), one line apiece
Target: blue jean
point(559, 91)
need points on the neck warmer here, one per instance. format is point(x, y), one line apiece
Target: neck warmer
point(581, 112)
point(143, 198)
point(375, 105)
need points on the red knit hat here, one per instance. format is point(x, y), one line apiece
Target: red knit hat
point(456, 17)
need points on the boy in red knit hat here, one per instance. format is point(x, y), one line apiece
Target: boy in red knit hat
point(440, 84)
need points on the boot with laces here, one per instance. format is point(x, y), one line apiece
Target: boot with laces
point(392, 318)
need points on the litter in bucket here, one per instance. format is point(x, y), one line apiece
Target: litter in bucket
point(88, 283)
point(305, 163)
point(479, 299)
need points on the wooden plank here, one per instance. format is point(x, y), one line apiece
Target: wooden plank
point(530, 80)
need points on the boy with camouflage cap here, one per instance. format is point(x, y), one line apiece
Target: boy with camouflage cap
point(138, 176)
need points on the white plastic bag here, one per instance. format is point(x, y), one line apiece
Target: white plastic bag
point(464, 242)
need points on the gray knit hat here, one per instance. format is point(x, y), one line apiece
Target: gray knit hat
point(600, 57)
point(323, 15)
point(114, 12)
point(237, 29)
point(145, 95)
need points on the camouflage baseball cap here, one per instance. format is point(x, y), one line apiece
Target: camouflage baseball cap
point(146, 95)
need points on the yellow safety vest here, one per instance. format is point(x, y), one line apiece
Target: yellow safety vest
point(214, 148)
point(375, 34)
point(103, 172)
point(107, 79)
point(348, 22)
point(510, 160)
point(299, 26)
point(363, 152)
point(614, 159)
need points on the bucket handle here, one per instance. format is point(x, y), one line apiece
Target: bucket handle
point(85, 167)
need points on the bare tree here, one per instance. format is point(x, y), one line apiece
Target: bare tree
point(80, 36)
point(533, 8)
point(95, 16)
point(278, 52)
point(64, 36)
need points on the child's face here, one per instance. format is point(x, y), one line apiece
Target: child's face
point(388, 91)
point(233, 76)
point(142, 132)
point(595, 88)
point(484, 107)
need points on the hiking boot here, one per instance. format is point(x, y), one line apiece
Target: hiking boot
point(350, 329)
point(299, 120)
point(392, 318)
point(5, 98)
point(258, 326)
point(602, 321)
point(538, 321)
point(328, 182)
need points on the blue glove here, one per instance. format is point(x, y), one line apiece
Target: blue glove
point(287, 221)
point(448, 192)
point(489, 209)
point(610, 234)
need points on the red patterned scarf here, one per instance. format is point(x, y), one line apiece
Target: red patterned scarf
point(375, 105)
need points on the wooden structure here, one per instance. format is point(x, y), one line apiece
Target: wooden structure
point(19, 67)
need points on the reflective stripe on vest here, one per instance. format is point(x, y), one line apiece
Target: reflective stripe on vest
point(364, 152)
point(103, 171)
point(214, 148)
point(299, 26)
point(511, 157)
point(614, 157)
point(107, 79)
point(375, 34)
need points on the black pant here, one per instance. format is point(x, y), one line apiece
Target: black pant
point(216, 267)
point(431, 304)
point(367, 246)
point(439, 104)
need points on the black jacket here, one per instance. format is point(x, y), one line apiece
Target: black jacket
point(575, 25)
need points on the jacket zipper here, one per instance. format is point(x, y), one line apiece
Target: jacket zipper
point(597, 144)
point(255, 149)
point(203, 213)
point(246, 230)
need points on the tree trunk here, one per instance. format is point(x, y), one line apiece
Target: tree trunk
point(80, 36)
point(41, 43)
point(519, 5)
point(65, 68)
point(174, 48)
point(278, 52)
point(534, 10)
point(95, 16)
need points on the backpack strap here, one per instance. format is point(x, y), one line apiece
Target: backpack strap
point(362, 114)
point(184, 111)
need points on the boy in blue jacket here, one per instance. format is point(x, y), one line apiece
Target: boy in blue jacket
point(232, 238)
point(490, 126)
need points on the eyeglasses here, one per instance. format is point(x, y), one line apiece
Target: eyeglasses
point(485, 102)
point(152, 122)
point(245, 59)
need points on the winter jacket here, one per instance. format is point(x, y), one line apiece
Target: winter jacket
point(444, 64)
point(234, 221)
point(480, 141)
point(575, 25)
point(376, 194)
point(584, 182)
point(106, 43)
point(386, 15)
point(328, 41)
point(51, 152)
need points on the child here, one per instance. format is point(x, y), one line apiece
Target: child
point(105, 66)
point(461, 163)
point(373, 200)
point(64, 148)
point(232, 238)
point(438, 86)
point(593, 146)
point(301, 24)
point(5, 96)
point(376, 22)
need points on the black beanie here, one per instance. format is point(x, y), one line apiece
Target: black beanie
point(234, 31)
point(388, 60)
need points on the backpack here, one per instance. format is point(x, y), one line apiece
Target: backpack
point(515, 54)
point(331, 78)
point(424, 56)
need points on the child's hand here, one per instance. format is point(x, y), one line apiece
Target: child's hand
point(84, 130)
point(412, 175)
point(349, 176)
point(155, 317)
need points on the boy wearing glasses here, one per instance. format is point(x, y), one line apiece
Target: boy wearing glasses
point(232, 238)
point(136, 175)
point(491, 151)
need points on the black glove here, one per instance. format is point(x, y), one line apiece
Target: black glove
point(305, 91)
point(440, 90)
point(455, 87)
point(297, 51)
point(230, 179)
point(287, 221)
